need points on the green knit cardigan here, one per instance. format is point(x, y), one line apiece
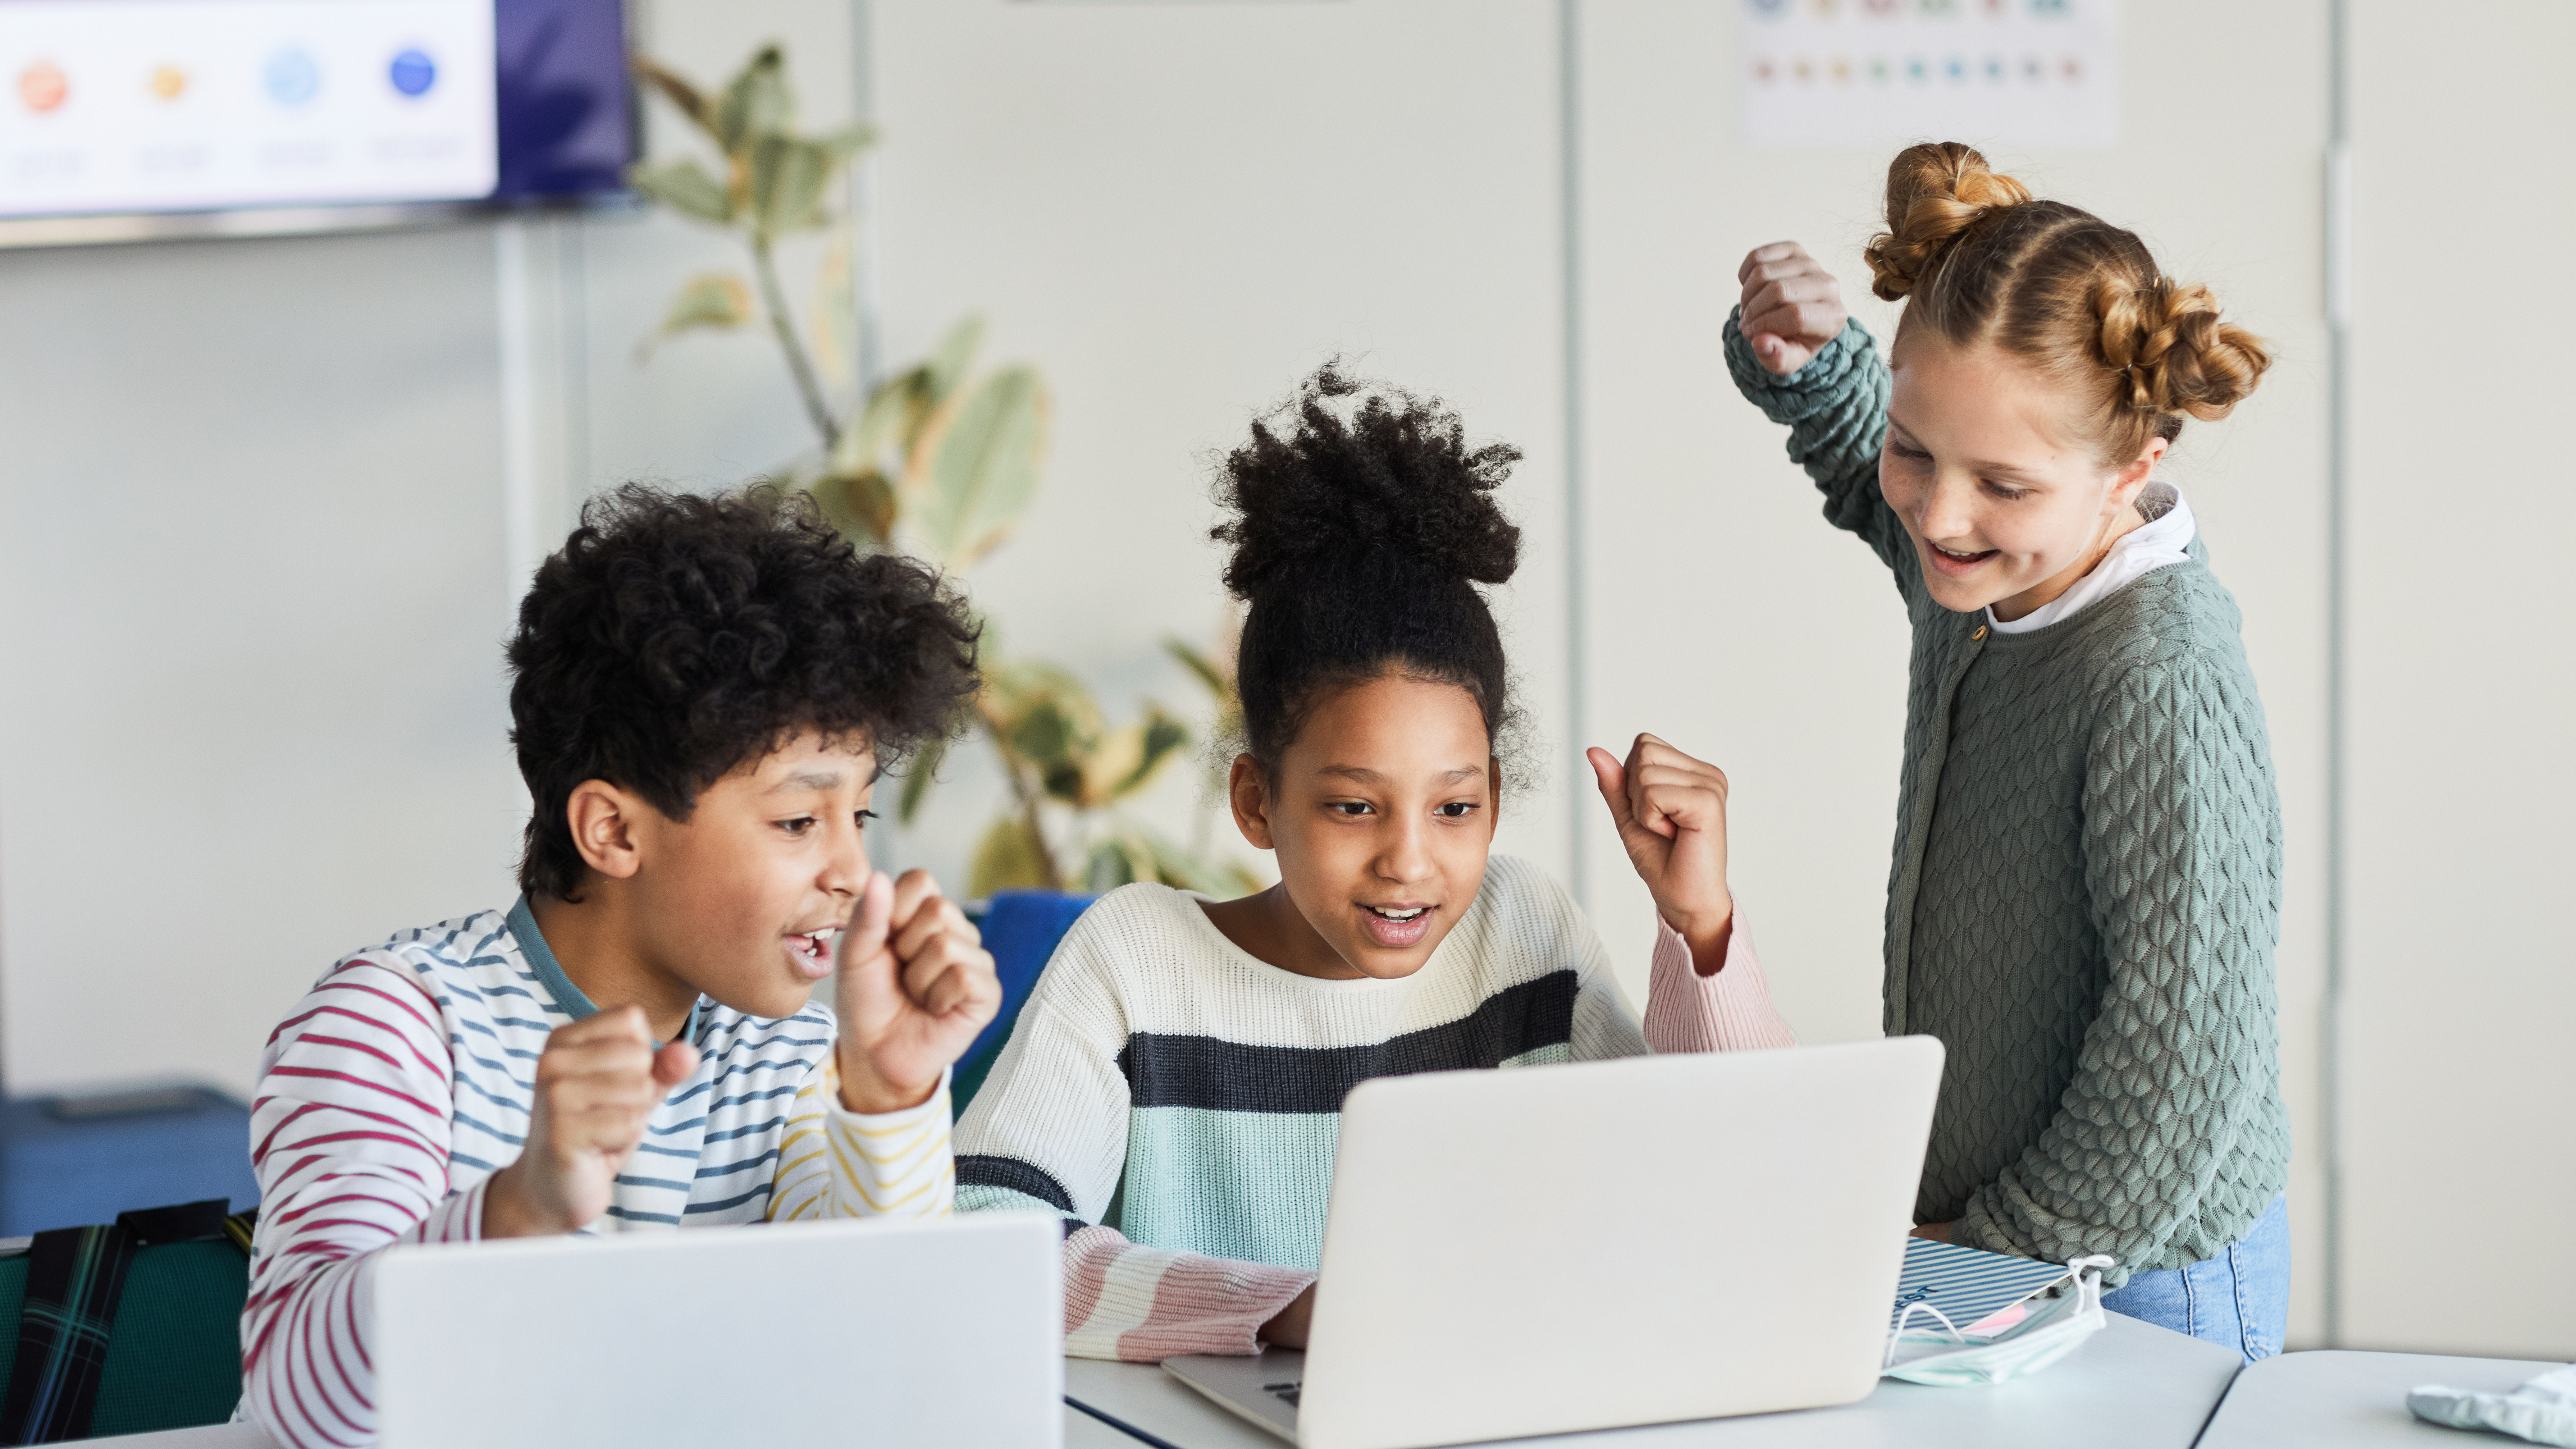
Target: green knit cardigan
point(2086, 890)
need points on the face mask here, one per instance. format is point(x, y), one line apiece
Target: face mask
point(1947, 1357)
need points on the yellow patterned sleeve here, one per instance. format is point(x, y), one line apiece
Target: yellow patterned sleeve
point(835, 1163)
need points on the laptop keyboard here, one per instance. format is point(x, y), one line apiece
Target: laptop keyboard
point(1286, 1391)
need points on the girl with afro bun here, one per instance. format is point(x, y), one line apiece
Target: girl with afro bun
point(1173, 1088)
point(2087, 882)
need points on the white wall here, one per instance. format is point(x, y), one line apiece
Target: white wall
point(251, 599)
point(2461, 984)
point(1179, 211)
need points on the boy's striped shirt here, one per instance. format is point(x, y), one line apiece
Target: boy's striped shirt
point(402, 1082)
point(1160, 1065)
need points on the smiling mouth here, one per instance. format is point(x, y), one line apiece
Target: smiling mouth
point(1395, 928)
point(811, 951)
point(1952, 560)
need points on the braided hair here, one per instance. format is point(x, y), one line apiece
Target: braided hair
point(1981, 260)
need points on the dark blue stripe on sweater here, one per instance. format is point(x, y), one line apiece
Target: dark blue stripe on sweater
point(977, 1170)
point(1223, 1076)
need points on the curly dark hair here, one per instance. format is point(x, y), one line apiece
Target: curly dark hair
point(1358, 542)
point(676, 637)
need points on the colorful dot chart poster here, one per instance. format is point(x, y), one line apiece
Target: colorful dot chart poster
point(176, 105)
point(1883, 73)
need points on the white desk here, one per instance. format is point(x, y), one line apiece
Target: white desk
point(2353, 1400)
point(2132, 1386)
point(1081, 1431)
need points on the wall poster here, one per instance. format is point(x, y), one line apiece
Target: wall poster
point(1845, 73)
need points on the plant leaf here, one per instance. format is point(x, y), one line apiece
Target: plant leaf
point(1200, 665)
point(1176, 865)
point(690, 101)
point(863, 444)
point(861, 505)
point(1043, 736)
point(1006, 859)
point(684, 187)
point(756, 101)
point(1013, 687)
point(1044, 723)
point(835, 310)
point(710, 300)
point(948, 361)
point(1120, 755)
point(1112, 864)
point(787, 176)
point(848, 141)
point(1164, 737)
point(919, 774)
point(975, 469)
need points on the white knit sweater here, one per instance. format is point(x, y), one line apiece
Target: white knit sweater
point(1159, 1066)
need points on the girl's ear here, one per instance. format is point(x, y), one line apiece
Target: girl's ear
point(1247, 789)
point(2129, 480)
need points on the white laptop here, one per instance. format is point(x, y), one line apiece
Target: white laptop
point(918, 1334)
point(1512, 1253)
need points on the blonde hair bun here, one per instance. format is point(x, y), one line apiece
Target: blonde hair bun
point(1935, 192)
point(2173, 353)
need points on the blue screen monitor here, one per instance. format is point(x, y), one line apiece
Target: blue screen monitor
point(209, 109)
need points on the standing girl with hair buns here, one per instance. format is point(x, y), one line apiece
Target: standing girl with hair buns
point(2087, 879)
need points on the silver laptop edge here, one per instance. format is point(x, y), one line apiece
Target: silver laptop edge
point(1724, 1232)
point(950, 1331)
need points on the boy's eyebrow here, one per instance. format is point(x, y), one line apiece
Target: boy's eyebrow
point(809, 780)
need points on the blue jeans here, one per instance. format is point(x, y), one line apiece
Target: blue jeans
point(2239, 1299)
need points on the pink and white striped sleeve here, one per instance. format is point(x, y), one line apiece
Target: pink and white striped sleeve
point(349, 1136)
point(1728, 1010)
point(1123, 1300)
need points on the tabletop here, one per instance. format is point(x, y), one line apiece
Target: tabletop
point(2343, 1398)
point(2131, 1386)
point(1081, 1431)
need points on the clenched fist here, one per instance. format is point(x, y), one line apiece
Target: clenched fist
point(598, 1082)
point(916, 985)
point(1792, 306)
point(1671, 814)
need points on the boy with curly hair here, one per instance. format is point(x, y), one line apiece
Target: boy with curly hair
point(705, 693)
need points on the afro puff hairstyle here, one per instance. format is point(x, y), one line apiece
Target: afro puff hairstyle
point(1362, 523)
point(676, 638)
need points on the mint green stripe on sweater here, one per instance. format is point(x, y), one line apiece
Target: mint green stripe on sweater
point(1249, 1185)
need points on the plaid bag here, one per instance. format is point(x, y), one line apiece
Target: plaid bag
point(191, 1262)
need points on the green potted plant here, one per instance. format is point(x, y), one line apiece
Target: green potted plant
point(939, 461)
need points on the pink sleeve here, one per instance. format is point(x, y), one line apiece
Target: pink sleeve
point(349, 1137)
point(1726, 1011)
point(1123, 1300)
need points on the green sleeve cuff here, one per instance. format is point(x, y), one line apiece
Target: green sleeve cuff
point(1843, 365)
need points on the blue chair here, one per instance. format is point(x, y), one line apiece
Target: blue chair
point(1021, 929)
